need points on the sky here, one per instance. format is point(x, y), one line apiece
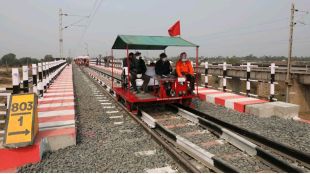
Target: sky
point(219, 27)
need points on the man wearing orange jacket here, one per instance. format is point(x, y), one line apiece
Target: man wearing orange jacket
point(184, 68)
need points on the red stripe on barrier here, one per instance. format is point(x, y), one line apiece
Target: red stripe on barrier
point(56, 101)
point(57, 132)
point(59, 95)
point(203, 95)
point(59, 108)
point(221, 100)
point(56, 118)
point(59, 91)
point(303, 120)
point(60, 87)
point(240, 106)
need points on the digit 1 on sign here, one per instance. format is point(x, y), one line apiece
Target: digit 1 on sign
point(20, 120)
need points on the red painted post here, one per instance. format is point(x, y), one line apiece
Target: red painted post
point(197, 70)
point(128, 66)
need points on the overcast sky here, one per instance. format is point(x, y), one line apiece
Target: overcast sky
point(220, 27)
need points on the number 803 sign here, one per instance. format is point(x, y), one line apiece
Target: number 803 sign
point(22, 121)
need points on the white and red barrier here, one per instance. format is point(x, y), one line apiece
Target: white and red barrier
point(57, 129)
point(228, 100)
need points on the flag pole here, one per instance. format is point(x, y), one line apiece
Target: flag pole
point(180, 27)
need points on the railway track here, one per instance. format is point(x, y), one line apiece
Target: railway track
point(209, 142)
point(114, 110)
point(194, 138)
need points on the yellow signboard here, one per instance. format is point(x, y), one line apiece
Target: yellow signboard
point(22, 121)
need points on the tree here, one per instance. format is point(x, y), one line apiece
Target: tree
point(34, 60)
point(48, 57)
point(9, 59)
point(25, 60)
point(233, 61)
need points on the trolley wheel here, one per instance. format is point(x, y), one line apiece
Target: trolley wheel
point(118, 98)
point(186, 102)
point(128, 106)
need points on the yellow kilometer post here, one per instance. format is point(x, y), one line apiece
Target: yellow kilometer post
point(22, 121)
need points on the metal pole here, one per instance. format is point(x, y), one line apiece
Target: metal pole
point(112, 68)
point(288, 73)
point(196, 71)
point(128, 68)
point(60, 34)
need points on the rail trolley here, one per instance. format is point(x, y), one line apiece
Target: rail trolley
point(171, 89)
point(82, 60)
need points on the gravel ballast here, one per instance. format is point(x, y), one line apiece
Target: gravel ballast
point(286, 131)
point(102, 145)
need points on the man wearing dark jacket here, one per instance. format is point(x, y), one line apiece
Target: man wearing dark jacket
point(162, 66)
point(138, 70)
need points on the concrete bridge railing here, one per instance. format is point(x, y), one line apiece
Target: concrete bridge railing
point(258, 83)
point(42, 76)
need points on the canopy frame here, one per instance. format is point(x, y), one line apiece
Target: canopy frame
point(128, 42)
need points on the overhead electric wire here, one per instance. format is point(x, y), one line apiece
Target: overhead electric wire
point(92, 14)
point(241, 28)
point(75, 15)
point(86, 26)
point(241, 33)
point(76, 22)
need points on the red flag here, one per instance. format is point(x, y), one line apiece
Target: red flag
point(175, 30)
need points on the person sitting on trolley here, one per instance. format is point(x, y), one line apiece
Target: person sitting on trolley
point(163, 67)
point(138, 71)
point(185, 69)
point(132, 65)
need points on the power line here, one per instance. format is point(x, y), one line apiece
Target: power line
point(91, 18)
point(243, 33)
point(78, 21)
point(92, 14)
point(243, 27)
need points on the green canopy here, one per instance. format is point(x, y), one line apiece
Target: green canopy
point(149, 42)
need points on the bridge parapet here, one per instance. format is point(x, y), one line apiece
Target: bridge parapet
point(260, 73)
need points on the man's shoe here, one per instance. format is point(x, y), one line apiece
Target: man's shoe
point(191, 92)
point(136, 92)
